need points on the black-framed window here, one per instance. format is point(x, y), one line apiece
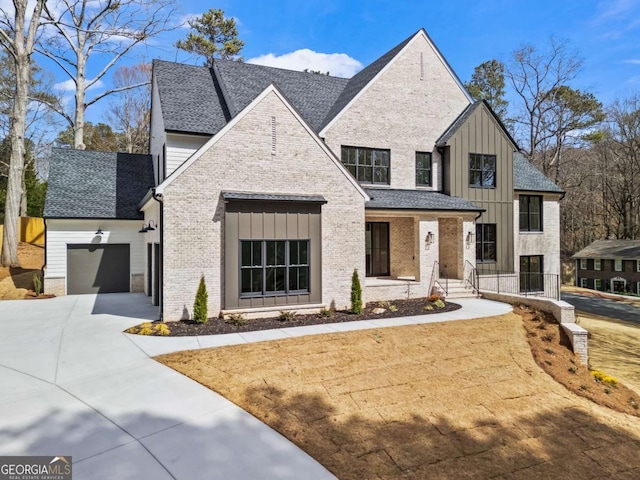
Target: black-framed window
point(531, 273)
point(367, 165)
point(530, 213)
point(482, 170)
point(423, 169)
point(274, 267)
point(486, 242)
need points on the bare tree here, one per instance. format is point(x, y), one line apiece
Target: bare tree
point(536, 77)
point(130, 113)
point(84, 29)
point(17, 36)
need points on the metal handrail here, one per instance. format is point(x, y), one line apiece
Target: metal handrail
point(470, 276)
point(432, 282)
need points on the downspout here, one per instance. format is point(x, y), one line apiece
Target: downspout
point(442, 168)
point(158, 198)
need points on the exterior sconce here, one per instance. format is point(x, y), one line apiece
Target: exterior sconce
point(99, 231)
point(469, 240)
point(428, 239)
point(148, 227)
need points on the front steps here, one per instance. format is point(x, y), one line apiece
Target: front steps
point(456, 289)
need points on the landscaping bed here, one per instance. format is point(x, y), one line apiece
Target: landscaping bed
point(215, 326)
point(552, 351)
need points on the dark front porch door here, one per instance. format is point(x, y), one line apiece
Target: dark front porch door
point(377, 248)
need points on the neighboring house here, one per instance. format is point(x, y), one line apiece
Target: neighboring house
point(275, 185)
point(609, 265)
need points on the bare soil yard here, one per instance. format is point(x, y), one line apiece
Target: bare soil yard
point(15, 283)
point(450, 400)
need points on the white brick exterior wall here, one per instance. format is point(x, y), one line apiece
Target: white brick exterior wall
point(545, 243)
point(241, 159)
point(402, 112)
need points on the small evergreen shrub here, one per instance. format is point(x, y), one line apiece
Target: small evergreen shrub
point(287, 316)
point(200, 304)
point(356, 293)
point(325, 313)
point(439, 303)
point(237, 319)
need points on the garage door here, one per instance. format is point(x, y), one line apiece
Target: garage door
point(97, 269)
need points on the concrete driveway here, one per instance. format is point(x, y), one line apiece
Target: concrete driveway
point(74, 385)
point(605, 305)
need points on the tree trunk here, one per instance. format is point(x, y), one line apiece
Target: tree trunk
point(78, 127)
point(16, 135)
point(23, 197)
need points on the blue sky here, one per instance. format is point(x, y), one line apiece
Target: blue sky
point(342, 36)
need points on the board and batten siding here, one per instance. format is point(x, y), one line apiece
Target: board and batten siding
point(180, 148)
point(62, 232)
point(482, 134)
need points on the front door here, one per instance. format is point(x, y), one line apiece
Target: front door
point(377, 249)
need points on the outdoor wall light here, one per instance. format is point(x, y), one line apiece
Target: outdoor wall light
point(148, 227)
point(469, 240)
point(429, 238)
point(99, 231)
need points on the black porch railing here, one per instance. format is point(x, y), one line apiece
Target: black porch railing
point(520, 283)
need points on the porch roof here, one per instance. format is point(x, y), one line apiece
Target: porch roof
point(394, 199)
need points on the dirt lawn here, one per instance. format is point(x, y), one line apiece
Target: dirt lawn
point(450, 400)
point(16, 282)
point(614, 347)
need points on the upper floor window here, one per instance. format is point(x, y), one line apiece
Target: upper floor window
point(530, 213)
point(486, 242)
point(367, 165)
point(583, 264)
point(423, 169)
point(617, 264)
point(597, 264)
point(482, 170)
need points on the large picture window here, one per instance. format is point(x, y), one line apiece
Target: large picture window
point(486, 242)
point(423, 169)
point(482, 170)
point(274, 267)
point(530, 213)
point(367, 165)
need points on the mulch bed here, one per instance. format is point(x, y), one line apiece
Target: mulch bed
point(216, 326)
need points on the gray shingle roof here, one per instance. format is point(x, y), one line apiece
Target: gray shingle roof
point(528, 177)
point(611, 249)
point(387, 199)
point(86, 184)
point(267, 197)
point(457, 123)
point(311, 94)
point(190, 98)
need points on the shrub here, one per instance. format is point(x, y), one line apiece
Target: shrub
point(439, 303)
point(434, 297)
point(393, 308)
point(428, 308)
point(325, 313)
point(237, 319)
point(356, 293)
point(286, 315)
point(602, 377)
point(162, 329)
point(200, 304)
point(37, 284)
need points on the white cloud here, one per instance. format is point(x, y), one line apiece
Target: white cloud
point(633, 61)
point(70, 86)
point(338, 64)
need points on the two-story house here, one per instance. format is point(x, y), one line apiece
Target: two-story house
point(274, 185)
point(609, 265)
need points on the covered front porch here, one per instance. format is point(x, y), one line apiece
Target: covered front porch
point(408, 252)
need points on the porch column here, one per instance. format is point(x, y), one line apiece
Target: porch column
point(427, 253)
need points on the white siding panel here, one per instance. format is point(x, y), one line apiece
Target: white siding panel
point(181, 147)
point(60, 233)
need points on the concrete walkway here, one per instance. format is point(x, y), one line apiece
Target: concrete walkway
point(74, 385)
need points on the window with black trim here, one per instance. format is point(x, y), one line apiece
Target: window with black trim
point(423, 169)
point(486, 242)
point(482, 170)
point(530, 213)
point(274, 267)
point(367, 165)
point(531, 273)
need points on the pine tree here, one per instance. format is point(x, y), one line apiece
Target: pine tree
point(200, 304)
